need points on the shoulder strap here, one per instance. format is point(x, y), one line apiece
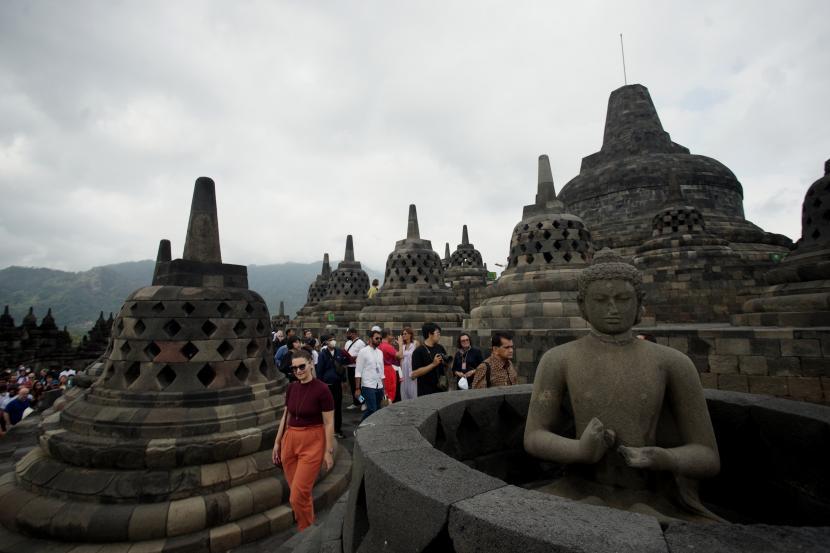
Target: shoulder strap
point(487, 374)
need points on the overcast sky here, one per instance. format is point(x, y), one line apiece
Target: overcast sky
point(319, 119)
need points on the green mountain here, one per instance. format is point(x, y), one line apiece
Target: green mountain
point(77, 298)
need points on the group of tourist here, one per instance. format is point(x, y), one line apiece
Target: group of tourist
point(382, 369)
point(22, 390)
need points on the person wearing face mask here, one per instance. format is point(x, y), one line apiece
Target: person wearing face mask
point(329, 363)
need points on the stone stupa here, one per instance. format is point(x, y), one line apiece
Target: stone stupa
point(316, 291)
point(798, 291)
point(414, 291)
point(621, 187)
point(690, 275)
point(169, 449)
point(345, 294)
point(548, 249)
point(465, 270)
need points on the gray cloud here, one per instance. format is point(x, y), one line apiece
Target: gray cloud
point(322, 119)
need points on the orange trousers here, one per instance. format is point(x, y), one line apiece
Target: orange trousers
point(302, 453)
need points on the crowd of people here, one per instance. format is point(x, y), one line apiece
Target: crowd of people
point(22, 390)
point(381, 368)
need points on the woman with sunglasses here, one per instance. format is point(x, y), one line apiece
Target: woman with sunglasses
point(305, 438)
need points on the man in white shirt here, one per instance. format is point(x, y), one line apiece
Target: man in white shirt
point(351, 350)
point(369, 375)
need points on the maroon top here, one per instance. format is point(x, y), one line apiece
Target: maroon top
point(306, 402)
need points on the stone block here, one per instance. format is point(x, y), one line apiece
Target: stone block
point(815, 366)
point(241, 501)
point(148, 521)
point(768, 385)
point(767, 348)
point(214, 474)
point(723, 364)
point(254, 527)
point(805, 389)
point(186, 516)
point(394, 482)
point(160, 453)
point(225, 537)
point(752, 364)
point(680, 343)
point(732, 346)
point(514, 519)
point(802, 348)
point(784, 366)
point(709, 380)
point(733, 382)
point(524, 355)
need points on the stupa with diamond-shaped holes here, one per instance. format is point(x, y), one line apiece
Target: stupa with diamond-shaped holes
point(170, 447)
point(414, 291)
point(548, 249)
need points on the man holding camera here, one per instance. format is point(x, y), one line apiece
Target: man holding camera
point(429, 362)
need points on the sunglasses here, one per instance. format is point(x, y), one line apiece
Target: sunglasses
point(297, 368)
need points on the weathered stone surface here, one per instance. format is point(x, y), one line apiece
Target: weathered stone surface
point(513, 519)
point(735, 538)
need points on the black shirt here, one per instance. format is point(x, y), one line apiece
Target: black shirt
point(421, 357)
point(473, 356)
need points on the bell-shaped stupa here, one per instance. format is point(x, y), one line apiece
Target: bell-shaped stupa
point(548, 249)
point(466, 268)
point(798, 294)
point(316, 291)
point(621, 187)
point(170, 447)
point(345, 294)
point(689, 275)
point(413, 289)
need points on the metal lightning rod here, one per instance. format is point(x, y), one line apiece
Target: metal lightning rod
point(622, 49)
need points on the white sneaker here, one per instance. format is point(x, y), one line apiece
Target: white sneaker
point(363, 407)
point(351, 407)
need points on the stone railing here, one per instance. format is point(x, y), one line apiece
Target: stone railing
point(445, 473)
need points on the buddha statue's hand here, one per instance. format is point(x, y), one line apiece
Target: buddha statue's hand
point(595, 441)
point(652, 458)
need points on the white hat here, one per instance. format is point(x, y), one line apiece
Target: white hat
point(376, 328)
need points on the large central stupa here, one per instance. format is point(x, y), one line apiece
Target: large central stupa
point(621, 187)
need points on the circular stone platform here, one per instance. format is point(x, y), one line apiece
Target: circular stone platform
point(445, 473)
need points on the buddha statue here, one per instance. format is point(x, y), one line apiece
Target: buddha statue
point(643, 437)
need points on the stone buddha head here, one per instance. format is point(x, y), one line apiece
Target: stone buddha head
point(610, 294)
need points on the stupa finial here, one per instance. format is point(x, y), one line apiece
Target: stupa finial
point(827, 167)
point(446, 250)
point(282, 308)
point(326, 266)
point(349, 256)
point(202, 242)
point(546, 190)
point(164, 253)
point(412, 231)
point(465, 238)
